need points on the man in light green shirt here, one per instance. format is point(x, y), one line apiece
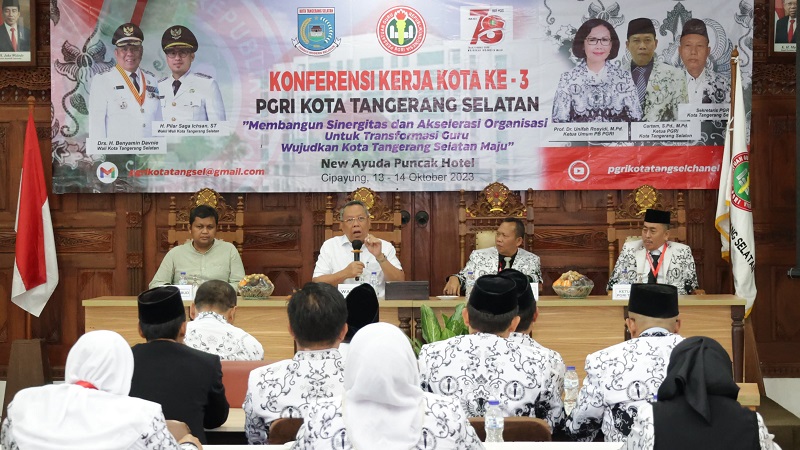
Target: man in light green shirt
point(203, 256)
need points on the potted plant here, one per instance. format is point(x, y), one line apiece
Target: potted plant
point(433, 330)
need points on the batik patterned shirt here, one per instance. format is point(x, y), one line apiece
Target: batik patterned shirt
point(211, 333)
point(478, 366)
point(289, 388)
point(678, 269)
point(619, 380)
point(444, 427)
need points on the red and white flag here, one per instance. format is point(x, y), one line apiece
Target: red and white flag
point(35, 266)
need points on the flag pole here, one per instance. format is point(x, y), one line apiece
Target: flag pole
point(28, 330)
point(734, 63)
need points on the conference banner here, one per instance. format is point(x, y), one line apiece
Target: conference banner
point(266, 96)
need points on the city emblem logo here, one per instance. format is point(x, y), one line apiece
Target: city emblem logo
point(401, 30)
point(740, 197)
point(107, 172)
point(316, 31)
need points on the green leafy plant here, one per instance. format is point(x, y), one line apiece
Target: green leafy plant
point(433, 330)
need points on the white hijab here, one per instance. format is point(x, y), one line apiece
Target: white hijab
point(70, 416)
point(383, 400)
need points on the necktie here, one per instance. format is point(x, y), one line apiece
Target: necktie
point(641, 83)
point(791, 30)
point(175, 86)
point(650, 277)
point(135, 83)
point(508, 262)
point(14, 38)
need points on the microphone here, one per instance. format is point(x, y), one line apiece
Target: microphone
point(357, 244)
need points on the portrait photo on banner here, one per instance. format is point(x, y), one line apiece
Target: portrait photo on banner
point(17, 40)
point(783, 27)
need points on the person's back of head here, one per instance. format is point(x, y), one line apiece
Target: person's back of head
point(697, 405)
point(317, 316)
point(362, 309)
point(653, 305)
point(525, 299)
point(161, 313)
point(492, 305)
point(215, 295)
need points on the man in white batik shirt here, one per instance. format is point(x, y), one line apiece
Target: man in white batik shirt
point(622, 378)
point(522, 336)
point(317, 321)
point(211, 329)
point(485, 364)
point(506, 254)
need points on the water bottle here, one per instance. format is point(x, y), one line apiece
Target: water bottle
point(470, 283)
point(373, 280)
point(570, 389)
point(494, 422)
point(183, 280)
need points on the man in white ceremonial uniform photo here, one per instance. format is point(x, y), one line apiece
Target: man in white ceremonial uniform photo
point(211, 329)
point(336, 263)
point(656, 259)
point(486, 364)
point(187, 95)
point(623, 377)
point(506, 254)
point(317, 322)
point(124, 101)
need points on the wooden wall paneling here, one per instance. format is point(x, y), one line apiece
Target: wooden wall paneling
point(444, 250)
point(416, 254)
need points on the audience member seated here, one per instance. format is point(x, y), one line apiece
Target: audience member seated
point(317, 321)
point(336, 264)
point(211, 329)
point(486, 364)
point(522, 336)
point(203, 256)
point(697, 406)
point(656, 259)
point(382, 406)
point(506, 254)
point(624, 377)
point(362, 310)
point(91, 409)
point(186, 382)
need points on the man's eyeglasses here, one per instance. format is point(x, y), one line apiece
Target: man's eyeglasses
point(352, 220)
point(594, 41)
point(176, 53)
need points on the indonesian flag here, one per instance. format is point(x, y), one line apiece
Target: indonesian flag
point(734, 219)
point(35, 266)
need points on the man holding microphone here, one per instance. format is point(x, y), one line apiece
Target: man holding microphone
point(341, 262)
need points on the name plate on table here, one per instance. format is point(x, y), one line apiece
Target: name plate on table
point(186, 291)
point(535, 289)
point(621, 292)
point(345, 288)
point(407, 290)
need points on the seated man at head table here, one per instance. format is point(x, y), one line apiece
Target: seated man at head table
point(337, 264)
point(211, 329)
point(203, 256)
point(317, 322)
point(486, 363)
point(91, 409)
point(506, 254)
point(622, 378)
point(186, 382)
point(656, 259)
point(697, 406)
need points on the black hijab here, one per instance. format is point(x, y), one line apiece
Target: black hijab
point(697, 406)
